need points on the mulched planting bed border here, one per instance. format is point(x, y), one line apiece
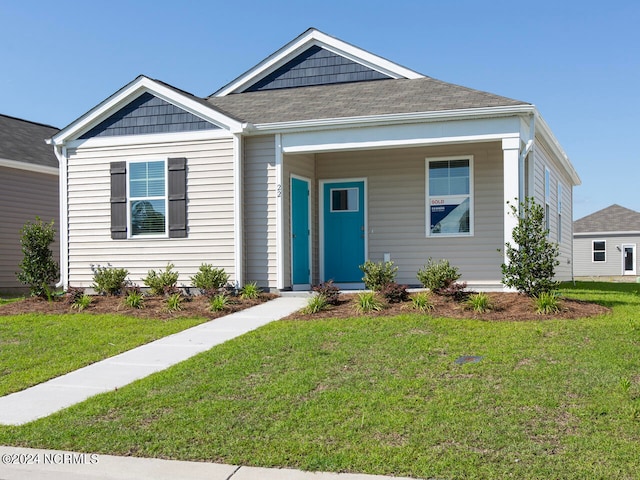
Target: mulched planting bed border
point(155, 307)
point(506, 307)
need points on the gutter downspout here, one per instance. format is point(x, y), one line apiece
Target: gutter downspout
point(61, 154)
point(523, 155)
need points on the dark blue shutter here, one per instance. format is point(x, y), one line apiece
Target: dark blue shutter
point(118, 200)
point(177, 171)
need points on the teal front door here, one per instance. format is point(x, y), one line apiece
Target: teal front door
point(300, 232)
point(344, 231)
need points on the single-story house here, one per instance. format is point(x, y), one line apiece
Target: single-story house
point(319, 157)
point(28, 188)
point(604, 244)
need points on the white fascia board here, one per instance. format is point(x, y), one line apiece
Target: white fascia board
point(313, 37)
point(132, 91)
point(557, 149)
point(606, 234)
point(402, 135)
point(151, 138)
point(30, 167)
point(390, 119)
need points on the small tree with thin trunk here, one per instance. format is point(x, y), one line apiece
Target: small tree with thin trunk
point(531, 262)
point(38, 269)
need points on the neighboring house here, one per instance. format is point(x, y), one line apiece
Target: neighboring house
point(321, 156)
point(28, 188)
point(604, 244)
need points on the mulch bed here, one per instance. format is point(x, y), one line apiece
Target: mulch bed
point(506, 307)
point(155, 307)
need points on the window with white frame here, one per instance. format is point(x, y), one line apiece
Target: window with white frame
point(147, 198)
point(449, 196)
point(547, 200)
point(599, 251)
point(559, 212)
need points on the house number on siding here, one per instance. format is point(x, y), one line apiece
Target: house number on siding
point(279, 190)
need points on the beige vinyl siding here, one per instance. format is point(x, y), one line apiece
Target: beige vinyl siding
point(584, 266)
point(302, 166)
point(24, 196)
point(210, 215)
point(396, 208)
point(259, 209)
point(544, 159)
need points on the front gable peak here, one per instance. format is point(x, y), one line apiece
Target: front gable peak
point(315, 58)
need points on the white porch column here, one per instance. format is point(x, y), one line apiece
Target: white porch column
point(279, 214)
point(238, 217)
point(511, 186)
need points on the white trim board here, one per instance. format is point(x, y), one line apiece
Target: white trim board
point(30, 167)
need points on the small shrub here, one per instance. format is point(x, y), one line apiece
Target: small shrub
point(209, 278)
point(455, 290)
point(368, 302)
point(159, 281)
point(82, 302)
point(531, 262)
point(219, 302)
point(376, 275)
point(316, 304)
point(547, 303)
point(38, 269)
point(134, 298)
point(174, 302)
point(394, 293)
point(250, 291)
point(109, 280)
point(438, 276)
point(330, 292)
point(479, 302)
point(422, 301)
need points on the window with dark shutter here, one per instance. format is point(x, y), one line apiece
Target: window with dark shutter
point(118, 200)
point(177, 197)
point(145, 212)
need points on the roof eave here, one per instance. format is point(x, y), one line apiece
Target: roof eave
point(393, 118)
point(558, 150)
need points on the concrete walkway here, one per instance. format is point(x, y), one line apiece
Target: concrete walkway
point(33, 464)
point(114, 372)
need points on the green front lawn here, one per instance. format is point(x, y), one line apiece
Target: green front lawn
point(36, 347)
point(548, 399)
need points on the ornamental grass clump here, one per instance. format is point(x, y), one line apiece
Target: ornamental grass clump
point(367, 302)
point(250, 291)
point(316, 304)
point(422, 301)
point(479, 302)
point(134, 298)
point(547, 303)
point(219, 302)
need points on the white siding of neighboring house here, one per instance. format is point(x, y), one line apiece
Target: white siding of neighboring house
point(544, 159)
point(584, 266)
point(24, 195)
point(396, 206)
point(210, 215)
point(259, 209)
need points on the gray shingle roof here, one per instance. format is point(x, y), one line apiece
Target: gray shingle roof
point(23, 141)
point(345, 100)
point(611, 219)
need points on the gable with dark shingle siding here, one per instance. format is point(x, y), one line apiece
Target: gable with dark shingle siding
point(148, 114)
point(316, 66)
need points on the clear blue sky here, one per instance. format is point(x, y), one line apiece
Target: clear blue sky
point(577, 61)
